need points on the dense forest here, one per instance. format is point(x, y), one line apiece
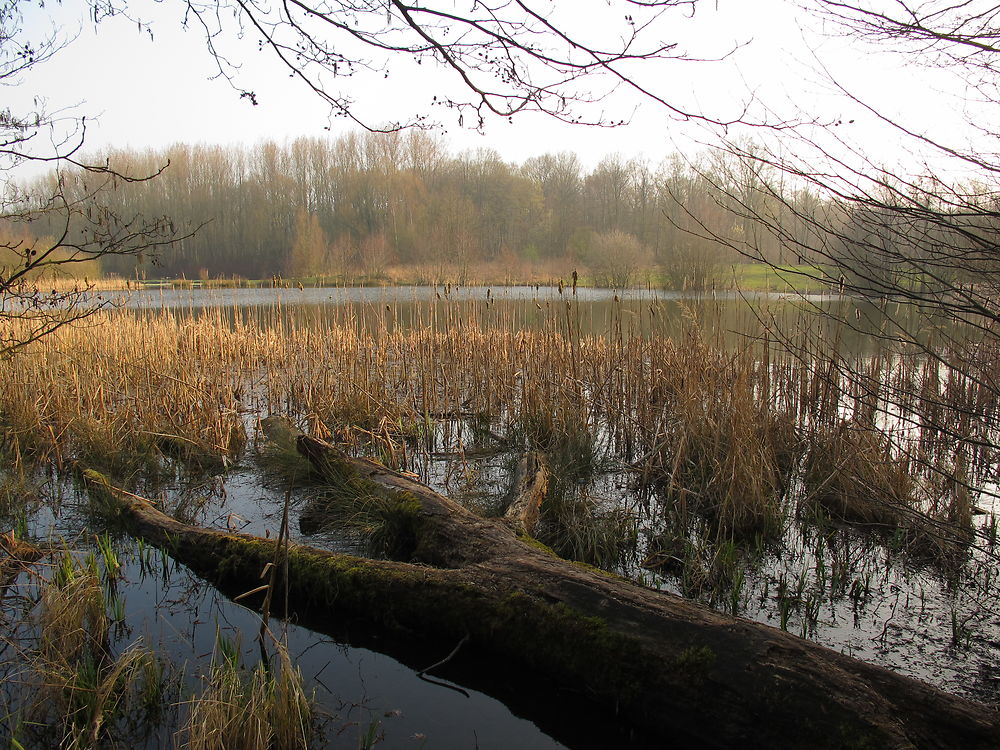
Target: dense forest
point(366, 205)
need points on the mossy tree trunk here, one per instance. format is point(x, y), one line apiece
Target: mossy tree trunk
point(669, 666)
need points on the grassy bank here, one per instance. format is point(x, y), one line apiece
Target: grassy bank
point(759, 277)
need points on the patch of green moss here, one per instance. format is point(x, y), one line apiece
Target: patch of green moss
point(554, 638)
point(96, 477)
point(532, 542)
point(594, 569)
point(101, 493)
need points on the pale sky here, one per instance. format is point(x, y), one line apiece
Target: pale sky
point(139, 91)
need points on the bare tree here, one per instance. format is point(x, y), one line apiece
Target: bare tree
point(616, 257)
point(506, 57)
point(926, 236)
point(913, 251)
point(62, 223)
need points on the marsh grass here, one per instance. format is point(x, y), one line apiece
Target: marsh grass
point(376, 521)
point(121, 396)
point(851, 472)
point(748, 478)
point(707, 566)
point(719, 446)
point(257, 709)
point(22, 491)
point(560, 428)
point(282, 465)
point(79, 693)
point(578, 526)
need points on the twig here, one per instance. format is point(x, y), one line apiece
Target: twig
point(446, 659)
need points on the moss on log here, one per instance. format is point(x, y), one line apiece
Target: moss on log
point(667, 665)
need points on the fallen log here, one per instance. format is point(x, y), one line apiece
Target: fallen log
point(669, 666)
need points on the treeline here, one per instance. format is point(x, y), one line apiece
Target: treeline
point(362, 204)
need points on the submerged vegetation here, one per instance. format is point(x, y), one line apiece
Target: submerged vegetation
point(763, 484)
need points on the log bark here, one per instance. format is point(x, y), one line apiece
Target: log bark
point(527, 491)
point(669, 666)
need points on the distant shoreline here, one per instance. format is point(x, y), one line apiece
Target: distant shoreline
point(750, 277)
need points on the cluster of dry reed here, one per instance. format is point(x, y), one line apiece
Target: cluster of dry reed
point(737, 437)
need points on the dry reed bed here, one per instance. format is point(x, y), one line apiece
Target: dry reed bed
point(728, 435)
